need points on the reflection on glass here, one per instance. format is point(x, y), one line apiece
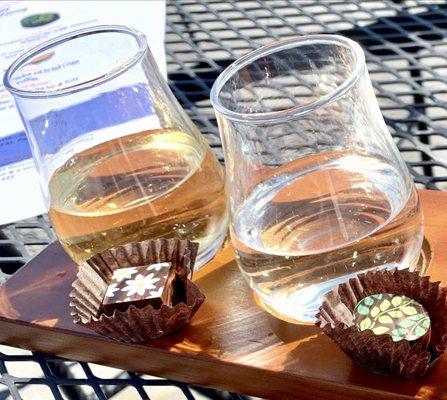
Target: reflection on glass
point(119, 159)
point(318, 190)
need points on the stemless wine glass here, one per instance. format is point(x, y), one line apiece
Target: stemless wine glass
point(318, 190)
point(119, 159)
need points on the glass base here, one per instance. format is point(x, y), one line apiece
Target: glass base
point(210, 252)
point(308, 300)
point(305, 315)
point(272, 311)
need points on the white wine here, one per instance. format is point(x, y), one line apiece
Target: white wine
point(317, 222)
point(152, 184)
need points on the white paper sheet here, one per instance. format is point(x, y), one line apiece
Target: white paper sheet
point(20, 193)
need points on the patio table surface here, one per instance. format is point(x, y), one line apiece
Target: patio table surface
point(406, 51)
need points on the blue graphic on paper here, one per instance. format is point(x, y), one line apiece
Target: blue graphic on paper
point(108, 109)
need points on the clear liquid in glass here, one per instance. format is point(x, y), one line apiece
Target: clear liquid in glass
point(320, 220)
point(148, 185)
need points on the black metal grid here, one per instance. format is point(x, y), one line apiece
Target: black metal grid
point(406, 49)
point(49, 377)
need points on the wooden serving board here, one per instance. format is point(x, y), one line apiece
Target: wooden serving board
point(230, 344)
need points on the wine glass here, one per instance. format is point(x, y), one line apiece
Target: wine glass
point(119, 160)
point(318, 190)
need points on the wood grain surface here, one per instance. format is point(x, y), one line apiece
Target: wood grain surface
point(230, 344)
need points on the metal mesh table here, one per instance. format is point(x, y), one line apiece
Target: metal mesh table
point(406, 49)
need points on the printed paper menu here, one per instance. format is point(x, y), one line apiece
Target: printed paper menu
point(23, 25)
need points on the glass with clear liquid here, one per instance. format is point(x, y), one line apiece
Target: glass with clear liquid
point(318, 190)
point(119, 159)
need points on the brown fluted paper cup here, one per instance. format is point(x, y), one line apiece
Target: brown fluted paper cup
point(379, 353)
point(135, 324)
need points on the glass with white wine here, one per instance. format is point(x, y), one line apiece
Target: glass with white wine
point(119, 159)
point(318, 191)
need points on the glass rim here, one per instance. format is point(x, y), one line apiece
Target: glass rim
point(113, 72)
point(296, 111)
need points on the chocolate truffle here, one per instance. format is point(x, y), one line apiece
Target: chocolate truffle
point(398, 316)
point(139, 286)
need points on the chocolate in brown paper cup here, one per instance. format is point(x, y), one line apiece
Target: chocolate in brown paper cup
point(379, 353)
point(135, 324)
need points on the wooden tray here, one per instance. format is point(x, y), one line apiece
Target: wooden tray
point(231, 343)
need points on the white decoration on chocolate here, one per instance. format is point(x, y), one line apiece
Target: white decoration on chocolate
point(156, 293)
point(111, 290)
point(140, 284)
point(122, 300)
point(158, 266)
point(123, 273)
